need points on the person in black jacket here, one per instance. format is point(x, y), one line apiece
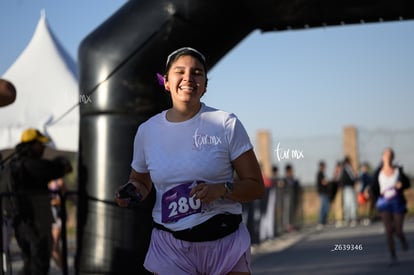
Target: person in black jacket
point(389, 183)
point(33, 224)
point(293, 192)
point(323, 191)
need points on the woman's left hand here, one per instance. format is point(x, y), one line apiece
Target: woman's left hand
point(398, 185)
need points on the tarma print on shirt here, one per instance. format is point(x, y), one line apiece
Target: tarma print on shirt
point(201, 141)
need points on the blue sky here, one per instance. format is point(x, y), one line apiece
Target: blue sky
point(313, 82)
point(302, 86)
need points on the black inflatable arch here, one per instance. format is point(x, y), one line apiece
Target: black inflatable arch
point(118, 63)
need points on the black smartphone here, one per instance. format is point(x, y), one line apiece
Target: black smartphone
point(130, 191)
point(126, 191)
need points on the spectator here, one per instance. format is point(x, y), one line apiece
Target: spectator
point(33, 225)
point(266, 180)
point(292, 191)
point(58, 189)
point(276, 181)
point(365, 194)
point(348, 181)
point(335, 195)
point(322, 185)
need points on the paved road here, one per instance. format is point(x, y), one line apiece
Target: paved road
point(317, 252)
point(313, 252)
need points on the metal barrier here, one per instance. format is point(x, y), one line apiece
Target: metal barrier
point(5, 263)
point(265, 218)
point(279, 211)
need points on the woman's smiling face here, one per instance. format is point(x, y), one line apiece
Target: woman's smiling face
point(186, 80)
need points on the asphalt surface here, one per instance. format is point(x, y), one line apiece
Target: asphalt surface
point(331, 251)
point(357, 250)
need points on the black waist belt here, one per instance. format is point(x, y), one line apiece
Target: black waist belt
point(215, 228)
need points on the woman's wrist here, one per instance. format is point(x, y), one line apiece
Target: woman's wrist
point(228, 189)
point(141, 188)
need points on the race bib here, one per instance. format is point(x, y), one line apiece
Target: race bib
point(177, 203)
point(390, 193)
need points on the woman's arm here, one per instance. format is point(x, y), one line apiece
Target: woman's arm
point(403, 180)
point(248, 187)
point(142, 183)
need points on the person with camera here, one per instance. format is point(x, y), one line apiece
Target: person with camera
point(32, 225)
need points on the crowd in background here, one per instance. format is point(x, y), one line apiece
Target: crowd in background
point(356, 196)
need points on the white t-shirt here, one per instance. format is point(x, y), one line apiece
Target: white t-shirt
point(388, 182)
point(177, 153)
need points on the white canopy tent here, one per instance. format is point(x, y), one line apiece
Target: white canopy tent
point(45, 77)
